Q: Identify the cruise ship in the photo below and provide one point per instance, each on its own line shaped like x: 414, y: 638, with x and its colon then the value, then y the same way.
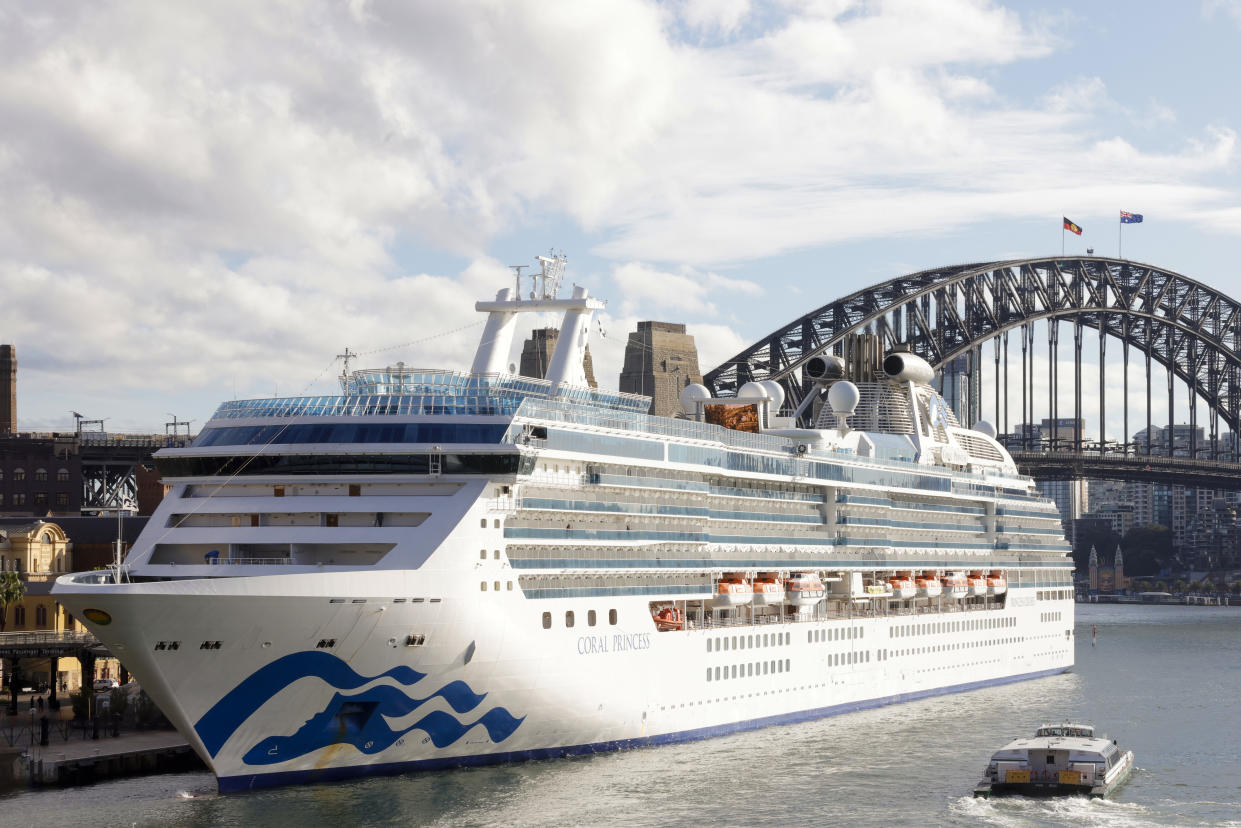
x: 438, y: 568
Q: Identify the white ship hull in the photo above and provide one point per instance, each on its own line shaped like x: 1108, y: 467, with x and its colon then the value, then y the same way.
x: 525, y: 692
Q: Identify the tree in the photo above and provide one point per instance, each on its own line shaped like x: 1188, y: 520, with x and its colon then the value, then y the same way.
x: 1148, y: 549
x: 1103, y: 539
x: 12, y: 591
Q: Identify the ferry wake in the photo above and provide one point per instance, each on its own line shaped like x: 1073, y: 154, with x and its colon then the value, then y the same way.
x: 439, y: 568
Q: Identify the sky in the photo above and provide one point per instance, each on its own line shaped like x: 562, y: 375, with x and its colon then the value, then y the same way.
x: 202, y: 202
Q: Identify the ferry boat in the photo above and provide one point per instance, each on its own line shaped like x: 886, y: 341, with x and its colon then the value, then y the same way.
x: 1060, y: 760
x: 436, y: 568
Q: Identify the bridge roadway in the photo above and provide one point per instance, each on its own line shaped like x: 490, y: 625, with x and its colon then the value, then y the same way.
x: 1143, y: 468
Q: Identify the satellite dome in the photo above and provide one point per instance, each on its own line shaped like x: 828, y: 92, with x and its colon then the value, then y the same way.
x: 692, y: 395
x: 752, y: 390
x: 985, y: 427
x: 843, y: 397
x: 776, y: 392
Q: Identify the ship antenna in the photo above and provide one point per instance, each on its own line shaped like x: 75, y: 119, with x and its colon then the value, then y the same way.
x: 345, y: 357
x: 553, y: 271
x: 517, y: 269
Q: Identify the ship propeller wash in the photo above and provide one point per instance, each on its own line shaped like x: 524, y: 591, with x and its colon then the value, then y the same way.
x: 438, y: 568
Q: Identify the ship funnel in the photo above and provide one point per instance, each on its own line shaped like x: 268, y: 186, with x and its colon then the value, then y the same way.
x: 908, y: 367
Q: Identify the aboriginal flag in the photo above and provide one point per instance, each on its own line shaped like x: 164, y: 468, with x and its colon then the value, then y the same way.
x: 1072, y: 228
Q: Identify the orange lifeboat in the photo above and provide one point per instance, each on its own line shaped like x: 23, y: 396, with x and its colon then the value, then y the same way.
x: 997, y: 584
x: 733, y: 591
x: 768, y: 591
x: 928, y: 585
x: 804, y: 589
x: 977, y: 583
x: 903, y: 586
x: 954, y: 585
x: 669, y: 618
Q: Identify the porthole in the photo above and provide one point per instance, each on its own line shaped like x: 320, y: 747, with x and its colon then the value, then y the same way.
x: 482, y: 586
x: 568, y: 618
x: 590, y: 618
x: 612, y: 617
x: 547, y: 620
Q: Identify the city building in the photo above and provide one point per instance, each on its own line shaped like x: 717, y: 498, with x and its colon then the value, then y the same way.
x: 38, y: 552
x: 955, y: 387
x: 660, y: 360
x: 8, y: 389
x: 536, y: 354
x: 1105, y: 579
x: 40, y: 475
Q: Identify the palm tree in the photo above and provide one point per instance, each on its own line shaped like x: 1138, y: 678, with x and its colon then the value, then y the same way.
x: 12, y: 591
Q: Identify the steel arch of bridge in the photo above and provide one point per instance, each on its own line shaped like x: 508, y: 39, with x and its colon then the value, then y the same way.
x: 1185, y: 326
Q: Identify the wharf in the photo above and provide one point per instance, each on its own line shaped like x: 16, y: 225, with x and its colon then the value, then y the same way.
x: 86, y: 761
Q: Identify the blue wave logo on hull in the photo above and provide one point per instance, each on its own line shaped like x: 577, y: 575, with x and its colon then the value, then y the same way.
x: 358, y: 720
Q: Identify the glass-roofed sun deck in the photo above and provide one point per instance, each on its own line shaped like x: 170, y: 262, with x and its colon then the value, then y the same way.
x: 379, y: 392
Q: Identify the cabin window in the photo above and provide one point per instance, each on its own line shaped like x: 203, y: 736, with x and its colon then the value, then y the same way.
x: 482, y: 586
x: 355, y: 489
x: 708, y: 645
x: 331, y: 520
x: 278, y: 491
x: 717, y: 673
x: 496, y: 586
x: 708, y: 674
x: 496, y: 554
x: 568, y: 618
x: 786, y: 664
x: 547, y: 620
x: 510, y: 586
x: 590, y: 618
x: 483, y: 523
x: 612, y: 617
x: 482, y: 554
x: 254, y: 520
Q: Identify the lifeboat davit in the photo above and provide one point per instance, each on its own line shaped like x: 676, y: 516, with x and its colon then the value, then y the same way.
x: 928, y: 585
x: 954, y: 585
x: 804, y: 589
x: 733, y: 591
x: 997, y: 584
x: 977, y: 583
x: 768, y: 591
x: 903, y: 587
x: 669, y: 618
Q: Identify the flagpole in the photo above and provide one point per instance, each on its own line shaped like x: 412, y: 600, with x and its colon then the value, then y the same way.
x: 1062, y: 238
x: 1120, y: 245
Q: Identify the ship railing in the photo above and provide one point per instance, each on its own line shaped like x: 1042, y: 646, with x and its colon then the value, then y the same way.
x: 250, y: 561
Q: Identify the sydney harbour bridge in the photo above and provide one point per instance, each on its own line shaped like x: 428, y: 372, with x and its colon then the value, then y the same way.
x: 1009, y: 329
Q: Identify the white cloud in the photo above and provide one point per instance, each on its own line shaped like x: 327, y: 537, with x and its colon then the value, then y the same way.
x: 198, y: 193
x: 685, y: 291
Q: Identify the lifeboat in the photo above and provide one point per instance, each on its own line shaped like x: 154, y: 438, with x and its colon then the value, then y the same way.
x: 733, y: 591
x: 669, y: 618
x: 954, y: 585
x: 903, y: 586
x: 804, y: 589
x: 928, y: 585
x: 768, y: 591
x: 977, y: 583
x: 997, y: 584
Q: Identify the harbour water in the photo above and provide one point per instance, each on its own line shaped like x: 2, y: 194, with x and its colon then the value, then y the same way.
x: 1163, y: 681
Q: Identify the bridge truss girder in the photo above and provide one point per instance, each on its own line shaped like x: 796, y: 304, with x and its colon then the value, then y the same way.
x: 1185, y: 326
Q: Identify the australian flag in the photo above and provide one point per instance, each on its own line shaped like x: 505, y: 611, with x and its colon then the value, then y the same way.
x: 1130, y: 218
